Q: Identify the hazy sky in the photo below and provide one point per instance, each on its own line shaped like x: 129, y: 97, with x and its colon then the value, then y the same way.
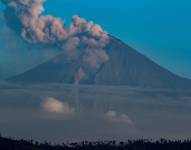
x: 158, y: 29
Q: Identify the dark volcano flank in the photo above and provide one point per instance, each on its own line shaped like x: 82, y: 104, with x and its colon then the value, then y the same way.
x: 126, y: 67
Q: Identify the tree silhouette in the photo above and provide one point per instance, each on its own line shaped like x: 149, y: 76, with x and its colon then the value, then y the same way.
x: 13, y: 144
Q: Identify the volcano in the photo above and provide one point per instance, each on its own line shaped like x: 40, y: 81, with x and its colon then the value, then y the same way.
x: 126, y: 67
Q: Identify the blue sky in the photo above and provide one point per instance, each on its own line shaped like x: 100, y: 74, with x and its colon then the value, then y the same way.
x: 160, y: 29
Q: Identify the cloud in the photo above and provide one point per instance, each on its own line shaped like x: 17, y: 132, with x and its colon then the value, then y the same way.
x: 55, y: 106
x: 113, y: 116
x: 83, y: 40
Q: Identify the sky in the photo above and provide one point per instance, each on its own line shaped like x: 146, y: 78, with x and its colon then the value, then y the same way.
x: 160, y: 30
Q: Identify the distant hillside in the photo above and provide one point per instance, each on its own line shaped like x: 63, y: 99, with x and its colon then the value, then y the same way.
x: 129, y: 67
x: 11, y: 144
x: 126, y: 66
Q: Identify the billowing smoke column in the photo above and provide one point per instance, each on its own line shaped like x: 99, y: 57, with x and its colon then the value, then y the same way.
x: 82, y: 41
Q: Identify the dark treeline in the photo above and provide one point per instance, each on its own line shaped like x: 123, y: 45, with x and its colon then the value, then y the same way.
x: 12, y: 144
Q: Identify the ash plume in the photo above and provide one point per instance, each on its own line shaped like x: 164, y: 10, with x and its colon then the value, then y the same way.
x: 82, y: 41
x: 79, y: 76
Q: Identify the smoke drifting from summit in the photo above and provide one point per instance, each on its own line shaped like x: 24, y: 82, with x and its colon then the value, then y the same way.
x: 82, y: 41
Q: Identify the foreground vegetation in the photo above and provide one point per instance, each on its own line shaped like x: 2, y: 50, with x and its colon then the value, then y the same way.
x: 12, y: 144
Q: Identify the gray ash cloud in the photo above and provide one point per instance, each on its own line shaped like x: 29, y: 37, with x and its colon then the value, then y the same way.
x: 82, y: 40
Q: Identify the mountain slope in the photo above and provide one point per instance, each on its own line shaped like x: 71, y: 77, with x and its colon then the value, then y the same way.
x: 125, y: 67
x: 128, y: 67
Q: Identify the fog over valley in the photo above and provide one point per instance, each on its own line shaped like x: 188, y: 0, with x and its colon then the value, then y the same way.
x: 59, y: 112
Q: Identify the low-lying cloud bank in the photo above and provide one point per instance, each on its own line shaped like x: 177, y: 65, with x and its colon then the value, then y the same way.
x: 55, y: 106
x: 118, y: 118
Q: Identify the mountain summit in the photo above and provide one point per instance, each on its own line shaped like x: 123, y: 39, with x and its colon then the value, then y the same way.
x: 126, y: 66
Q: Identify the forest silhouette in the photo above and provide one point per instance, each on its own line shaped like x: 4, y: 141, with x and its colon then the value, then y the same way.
x: 14, y: 144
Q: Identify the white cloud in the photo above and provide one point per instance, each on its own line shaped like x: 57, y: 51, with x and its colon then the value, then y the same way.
x: 53, y: 105
x: 111, y: 114
x: 119, y: 118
